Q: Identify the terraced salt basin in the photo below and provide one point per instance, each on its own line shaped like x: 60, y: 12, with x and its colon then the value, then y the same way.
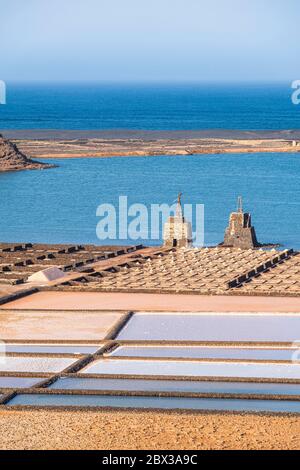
x: 19, y: 382
x: 35, y: 364
x: 52, y: 348
x: 193, y: 369
x: 212, y: 327
x: 56, y: 325
x: 206, y: 352
x: 173, y: 386
x: 211, y: 404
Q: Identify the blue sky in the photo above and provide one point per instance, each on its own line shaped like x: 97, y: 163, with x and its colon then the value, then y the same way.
x: 180, y: 40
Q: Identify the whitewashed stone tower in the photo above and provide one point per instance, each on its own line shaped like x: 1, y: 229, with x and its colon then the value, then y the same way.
x: 178, y: 232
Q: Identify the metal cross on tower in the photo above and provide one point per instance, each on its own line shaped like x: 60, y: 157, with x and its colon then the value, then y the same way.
x: 240, y: 204
x: 179, y: 212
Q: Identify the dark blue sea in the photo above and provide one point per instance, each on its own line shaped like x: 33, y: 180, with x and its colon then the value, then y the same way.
x: 149, y: 107
x: 59, y: 205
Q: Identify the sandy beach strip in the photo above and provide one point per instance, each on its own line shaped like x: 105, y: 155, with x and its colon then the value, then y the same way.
x: 96, y: 148
x: 119, y: 429
x: 48, y: 144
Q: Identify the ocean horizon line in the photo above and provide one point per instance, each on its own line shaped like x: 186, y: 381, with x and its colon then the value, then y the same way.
x: 149, y: 82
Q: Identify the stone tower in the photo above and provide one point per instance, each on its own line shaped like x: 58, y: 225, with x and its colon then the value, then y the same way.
x: 177, y: 232
x: 240, y: 233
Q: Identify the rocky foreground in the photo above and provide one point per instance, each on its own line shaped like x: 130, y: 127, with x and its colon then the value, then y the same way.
x: 12, y: 159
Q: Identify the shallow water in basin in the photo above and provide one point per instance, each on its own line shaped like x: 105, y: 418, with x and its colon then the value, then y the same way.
x: 157, y: 403
x: 203, y: 352
x: 69, y: 383
x: 19, y: 382
x: 258, y: 327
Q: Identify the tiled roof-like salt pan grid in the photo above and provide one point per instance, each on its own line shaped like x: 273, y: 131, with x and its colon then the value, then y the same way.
x: 205, y: 270
x: 283, y: 278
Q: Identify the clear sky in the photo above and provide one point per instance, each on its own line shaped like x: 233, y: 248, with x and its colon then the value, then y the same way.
x: 199, y: 40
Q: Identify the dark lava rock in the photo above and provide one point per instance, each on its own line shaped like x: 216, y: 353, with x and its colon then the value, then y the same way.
x: 11, y: 159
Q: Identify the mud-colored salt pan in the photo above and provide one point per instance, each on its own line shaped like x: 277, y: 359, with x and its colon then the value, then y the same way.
x: 56, y: 325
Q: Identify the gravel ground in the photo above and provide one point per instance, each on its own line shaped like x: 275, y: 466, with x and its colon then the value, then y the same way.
x: 112, y: 430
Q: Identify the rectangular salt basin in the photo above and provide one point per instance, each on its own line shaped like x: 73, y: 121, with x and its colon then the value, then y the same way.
x: 206, y: 352
x: 52, y: 348
x: 209, y: 404
x: 19, y: 382
x: 62, y: 325
x: 35, y: 364
x: 213, y: 327
x: 193, y: 369
x: 140, y: 385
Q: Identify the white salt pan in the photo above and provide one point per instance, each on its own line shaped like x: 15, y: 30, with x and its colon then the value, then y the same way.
x: 194, y: 369
x: 35, y: 364
x: 223, y: 327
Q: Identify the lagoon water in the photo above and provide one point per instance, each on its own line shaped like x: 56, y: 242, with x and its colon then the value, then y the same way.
x: 59, y: 205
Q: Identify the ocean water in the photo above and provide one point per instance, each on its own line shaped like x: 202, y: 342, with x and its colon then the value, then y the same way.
x: 59, y: 205
x: 149, y: 107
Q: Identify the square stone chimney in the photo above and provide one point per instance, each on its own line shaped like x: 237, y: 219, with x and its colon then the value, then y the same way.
x: 240, y: 233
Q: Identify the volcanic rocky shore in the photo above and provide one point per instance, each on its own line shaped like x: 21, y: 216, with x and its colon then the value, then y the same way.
x: 12, y: 159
